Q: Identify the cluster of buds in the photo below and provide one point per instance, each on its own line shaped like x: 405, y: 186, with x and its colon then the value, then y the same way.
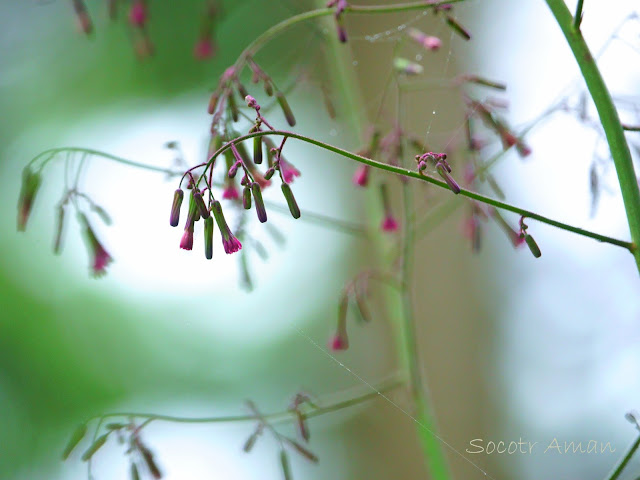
x: 140, y: 455
x: 446, y: 9
x: 31, y: 181
x: 284, y: 441
x: 138, y: 17
x: 490, y: 119
x: 439, y: 161
x: 223, y: 100
x: 340, y: 6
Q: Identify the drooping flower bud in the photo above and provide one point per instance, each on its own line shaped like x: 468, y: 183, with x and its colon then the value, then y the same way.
x: 233, y: 107
x: 213, y: 102
x: 456, y: 27
x: 84, y: 21
x: 57, y: 242
x: 286, y: 109
x: 138, y: 13
x: 269, y: 173
x: 257, y: 150
x: 152, y: 466
x: 30, y: 185
x: 361, y: 177
x: 242, y: 91
x: 101, y: 259
x: 208, y: 238
x: 174, y: 218
x: 251, y: 441
x: 135, y: 475
x: 289, y: 172
x: 427, y: 41
x: 284, y: 463
x: 246, y: 198
x: 515, y: 237
x: 443, y: 172
x: 533, y: 246
x: 230, y: 243
x: 291, y: 200
x: 340, y: 340
x: 94, y: 447
x: 257, y: 197
x: 389, y: 222
x: 202, y: 208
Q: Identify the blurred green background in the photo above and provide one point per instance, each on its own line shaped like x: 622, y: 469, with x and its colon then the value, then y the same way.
x: 510, y: 348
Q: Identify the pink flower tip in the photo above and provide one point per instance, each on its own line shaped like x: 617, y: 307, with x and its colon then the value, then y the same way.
x: 231, y: 244
x: 338, y: 343
x: 187, y: 240
x: 361, y: 177
x: 288, y: 171
x: 203, y: 49
x: 389, y: 224
x: 138, y: 14
x: 230, y: 193
x: 431, y: 43
x: 101, y: 261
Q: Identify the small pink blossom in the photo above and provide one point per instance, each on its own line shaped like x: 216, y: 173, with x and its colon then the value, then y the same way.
x: 138, y: 14
x: 338, y: 342
x: 187, y: 239
x: 288, y: 171
x: 361, y: 177
x: 431, y: 43
x: 260, y: 180
x: 389, y: 223
x: 230, y: 192
x: 203, y: 48
x: 101, y: 258
x: 230, y: 243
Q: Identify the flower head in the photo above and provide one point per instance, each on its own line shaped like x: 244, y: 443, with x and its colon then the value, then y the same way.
x: 361, y: 177
x: 389, y: 223
x: 289, y: 172
x: 138, y: 13
x: 230, y: 191
x: 186, y: 243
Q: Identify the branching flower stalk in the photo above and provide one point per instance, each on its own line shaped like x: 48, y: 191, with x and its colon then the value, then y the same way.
x: 240, y: 164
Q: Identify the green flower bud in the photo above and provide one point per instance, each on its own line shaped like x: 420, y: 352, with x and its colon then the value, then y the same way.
x: 533, y: 246
x: 257, y: 196
x: 95, y: 446
x: 208, y: 238
x: 246, y: 198
x: 174, y: 219
x: 291, y: 200
x: 286, y: 109
x: 76, y: 438
x: 257, y: 150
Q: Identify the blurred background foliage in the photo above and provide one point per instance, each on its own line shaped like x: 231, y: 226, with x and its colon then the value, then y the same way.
x: 511, y: 348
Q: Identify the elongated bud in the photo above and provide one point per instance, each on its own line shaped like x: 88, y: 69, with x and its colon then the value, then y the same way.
x: 202, y: 208
x: 284, y: 463
x: 484, y: 82
x: 30, y: 184
x: 302, y: 450
x: 233, y: 107
x: 291, y: 200
x: 193, y: 215
x: 241, y: 90
x: 302, y: 427
x: 251, y: 441
x: 230, y: 243
x: 269, y: 173
x: 268, y: 87
x: 286, y: 109
x: 135, y: 475
x: 257, y: 150
x: 57, y: 242
x: 246, y: 198
x: 533, y: 246
x: 84, y: 21
x: 208, y: 238
x: 257, y: 196
x: 456, y: 27
x: 76, y: 437
x: 150, y: 461
x: 213, y: 102
x: 178, y: 196
x: 340, y: 340
x: 95, y: 446
x: 442, y: 170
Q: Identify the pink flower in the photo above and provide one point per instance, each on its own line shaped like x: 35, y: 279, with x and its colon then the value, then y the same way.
x: 389, y: 223
x: 187, y: 238
x: 288, y: 171
x: 339, y: 342
x: 230, y: 243
x: 230, y: 192
x: 30, y: 185
x: 361, y: 177
x: 431, y: 43
x: 138, y: 14
x: 203, y: 49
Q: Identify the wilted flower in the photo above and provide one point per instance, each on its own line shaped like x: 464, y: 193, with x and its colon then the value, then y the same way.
x: 230, y: 243
x: 289, y: 172
x: 361, y: 177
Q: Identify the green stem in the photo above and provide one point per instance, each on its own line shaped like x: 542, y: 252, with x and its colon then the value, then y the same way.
x: 609, y: 119
x: 274, y: 418
x: 625, y: 460
x: 434, y: 455
x: 413, y: 174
